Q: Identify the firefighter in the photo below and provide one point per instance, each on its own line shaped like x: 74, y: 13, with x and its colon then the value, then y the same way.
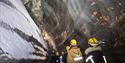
x: 94, y: 53
x: 64, y: 58
x: 74, y: 53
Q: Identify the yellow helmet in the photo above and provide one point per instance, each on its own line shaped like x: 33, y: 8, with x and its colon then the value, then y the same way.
x: 93, y: 41
x: 67, y: 47
x: 73, y: 42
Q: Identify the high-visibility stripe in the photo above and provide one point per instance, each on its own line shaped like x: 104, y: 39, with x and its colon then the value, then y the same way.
x: 90, y: 58
x: 79, y: 58
x: 105, y: 59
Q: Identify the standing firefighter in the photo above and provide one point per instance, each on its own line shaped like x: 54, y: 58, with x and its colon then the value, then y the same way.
x: 74, y: 53
x: 64, y: 58
x: 94, y: 52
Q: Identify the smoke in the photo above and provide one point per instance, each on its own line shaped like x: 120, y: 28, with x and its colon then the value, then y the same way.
x: 78, y: 10
x: 89, y: 14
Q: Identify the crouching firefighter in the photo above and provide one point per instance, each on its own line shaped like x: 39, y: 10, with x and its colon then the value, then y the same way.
x: 94, y: 53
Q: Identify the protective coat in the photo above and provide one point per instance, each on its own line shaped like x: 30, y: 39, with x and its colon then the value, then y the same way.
x: 72, y: 52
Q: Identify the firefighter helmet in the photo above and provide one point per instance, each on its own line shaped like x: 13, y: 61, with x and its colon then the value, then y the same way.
x: 73, y: 42
x: 67, y: 47
x: 93, y: 41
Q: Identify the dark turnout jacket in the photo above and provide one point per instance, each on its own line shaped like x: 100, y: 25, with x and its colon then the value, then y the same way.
x: 94, y: 55
x: 64, y: 58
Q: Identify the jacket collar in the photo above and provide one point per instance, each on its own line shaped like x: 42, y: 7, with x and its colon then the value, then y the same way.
x: 92, y: 49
